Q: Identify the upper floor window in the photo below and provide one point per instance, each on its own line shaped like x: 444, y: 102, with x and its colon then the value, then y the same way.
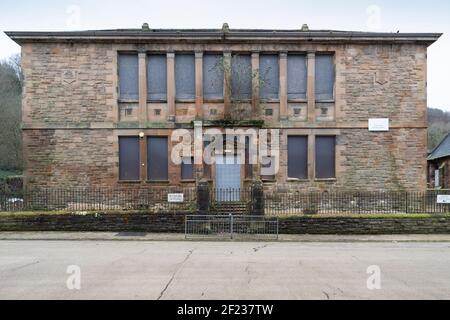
x: 128, y: 76
x: 325, y: 157
x: 129, y: 168
x: 298, y: 157
x: 269, y: 76
x: 325, y: 77
x: 297, y: 76
x: 241, y: 77
x: 213, y: 76
x: 157, y: 77
x: 185, y: 76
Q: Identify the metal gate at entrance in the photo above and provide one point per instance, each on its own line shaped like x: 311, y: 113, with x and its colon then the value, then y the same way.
x: 231, y: 227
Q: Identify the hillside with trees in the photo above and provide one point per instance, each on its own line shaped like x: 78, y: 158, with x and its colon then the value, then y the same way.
x: 10, y: 115
x: 439, y: 126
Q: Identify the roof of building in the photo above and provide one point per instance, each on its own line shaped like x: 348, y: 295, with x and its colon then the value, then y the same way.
x: 145, y: 34
x: 442, y: 150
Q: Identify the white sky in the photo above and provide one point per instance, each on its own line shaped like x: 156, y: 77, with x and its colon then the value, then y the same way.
x: 356, y: 15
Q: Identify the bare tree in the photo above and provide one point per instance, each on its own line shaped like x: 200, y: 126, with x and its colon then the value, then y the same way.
x: 10, y: 113
x: 239, y: 81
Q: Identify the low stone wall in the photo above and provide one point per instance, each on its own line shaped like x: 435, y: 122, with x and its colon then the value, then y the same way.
x: 371, y: 226
x: 100, y: 222
x: 175, y: 223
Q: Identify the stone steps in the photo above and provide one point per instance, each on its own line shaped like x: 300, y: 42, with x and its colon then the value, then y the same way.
x: 226, y: 208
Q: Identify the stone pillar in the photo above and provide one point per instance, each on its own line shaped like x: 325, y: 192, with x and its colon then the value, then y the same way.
x: 227, y: 82
x: 171, y: 112
x: 143, y: 116
x: 258, y: 206
x: 283, y: 87
x: 255, y: 83
x: 203, y: 204
x: 311, y: 90
x: 199, y: 84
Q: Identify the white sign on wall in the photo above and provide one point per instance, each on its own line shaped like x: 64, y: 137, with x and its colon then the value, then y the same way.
x: 443, y: 199
x: 175, y: 197
x: 378, y: 125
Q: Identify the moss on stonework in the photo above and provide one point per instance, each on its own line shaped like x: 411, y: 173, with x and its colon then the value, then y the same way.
x: 228, y: 123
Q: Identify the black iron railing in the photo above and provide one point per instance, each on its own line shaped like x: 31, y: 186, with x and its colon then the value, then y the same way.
x: 280, y: 203
x: 335, y: 203
x: 152, y: 200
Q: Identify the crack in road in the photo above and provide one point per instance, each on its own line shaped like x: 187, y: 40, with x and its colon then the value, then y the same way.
x: 259, y: 248
x: 24, y: 266
x: 180, y: 266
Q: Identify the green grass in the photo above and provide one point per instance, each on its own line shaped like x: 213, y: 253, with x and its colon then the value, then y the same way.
x: 9, y: 173
x: 285, y: 217
x: 371, y: 216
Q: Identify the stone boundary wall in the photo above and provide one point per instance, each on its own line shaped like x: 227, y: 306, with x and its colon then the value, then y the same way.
x: 175, y: 223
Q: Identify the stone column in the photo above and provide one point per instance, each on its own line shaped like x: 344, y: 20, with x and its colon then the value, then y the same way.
x: 203, y: 204
x: 171, y: 112
x: 311, y: 95
x: 255, y: 83
x: 227, y: 82
x: 199, y: 84
x: 283, y: 87
x: 143, y: 116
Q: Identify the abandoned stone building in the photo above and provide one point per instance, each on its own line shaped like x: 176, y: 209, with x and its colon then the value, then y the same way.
x: 99, y: 107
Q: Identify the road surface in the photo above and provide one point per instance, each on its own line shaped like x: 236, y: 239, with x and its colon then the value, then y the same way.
x: 228, y: 270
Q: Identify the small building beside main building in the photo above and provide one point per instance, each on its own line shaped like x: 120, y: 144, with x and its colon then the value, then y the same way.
x: 99, y: 107
x: 439, y: 165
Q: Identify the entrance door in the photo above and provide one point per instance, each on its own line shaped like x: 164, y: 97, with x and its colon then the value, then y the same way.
x: 228, y: 178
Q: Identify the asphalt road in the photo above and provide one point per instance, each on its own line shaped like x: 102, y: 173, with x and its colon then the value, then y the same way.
x: 203, y: 270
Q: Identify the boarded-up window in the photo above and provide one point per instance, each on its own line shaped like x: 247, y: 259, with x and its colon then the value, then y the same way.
x: 269, y: 73
x: 128, y: 76
x: 157, y: 159
x: 267, y: 169
x: 213, y: 76
x: 187, y: 169
x: 298, y: 157
x: 241, y: 77
x: 248, y: 165
x: 129, y: 159
x: 297, y: 77
x: 157, y: 77
x: 185, y: 76
x: 325, y: 77
x: 325, y: 157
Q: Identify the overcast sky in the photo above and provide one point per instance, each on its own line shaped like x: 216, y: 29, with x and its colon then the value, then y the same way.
x: 358, y: 15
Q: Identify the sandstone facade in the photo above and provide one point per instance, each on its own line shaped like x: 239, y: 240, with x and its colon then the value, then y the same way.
x: 73, y: 117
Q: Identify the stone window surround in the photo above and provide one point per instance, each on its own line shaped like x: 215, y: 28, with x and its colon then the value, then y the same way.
x: 143, y: 153
x: 175, y: 177
x: 199, y: 100
x: 312, y: 134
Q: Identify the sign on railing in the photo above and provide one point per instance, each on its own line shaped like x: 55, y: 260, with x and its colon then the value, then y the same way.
x: 443, y: 199
x: 175, y: 197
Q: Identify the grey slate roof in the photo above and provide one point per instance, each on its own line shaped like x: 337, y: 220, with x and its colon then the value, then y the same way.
x: 442, y: 150
x: 220, y: 34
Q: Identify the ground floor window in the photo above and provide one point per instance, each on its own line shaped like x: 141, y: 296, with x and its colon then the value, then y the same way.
x: 325, y: 157
x: 129, y: 159
x: 187, y: 169
x: 298, y: 157
x: 157, y: 159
